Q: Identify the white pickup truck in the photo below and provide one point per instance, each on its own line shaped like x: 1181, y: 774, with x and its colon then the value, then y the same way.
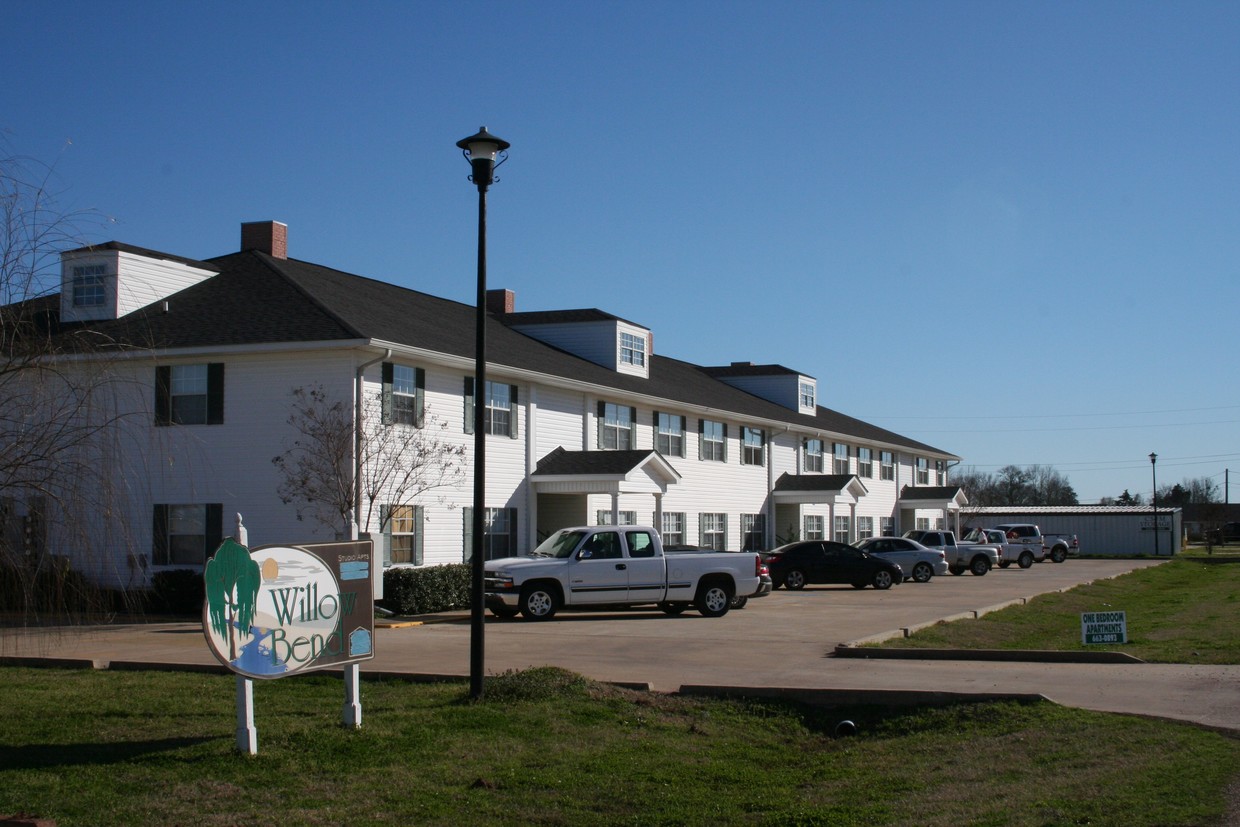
x: 1022, y: 554
x: 976, y: 559
x: 618, y: 566
x: 1055, y: 546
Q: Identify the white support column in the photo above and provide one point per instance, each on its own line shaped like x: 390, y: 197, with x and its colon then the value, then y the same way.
x: 352, y: 712
x: 615, y: 508
x: 658, y: 513
x: 247, y: 733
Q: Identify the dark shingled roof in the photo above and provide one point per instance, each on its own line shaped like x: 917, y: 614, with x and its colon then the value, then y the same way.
x: 750, y: 369
x: 929, y: 492
x: 586, y: 314
x: 813, y: 482
x: 257, y: 299
x: 573, y: 463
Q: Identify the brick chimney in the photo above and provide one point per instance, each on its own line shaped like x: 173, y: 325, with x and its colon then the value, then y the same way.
x: 270, y: 237
x: 501, y: 301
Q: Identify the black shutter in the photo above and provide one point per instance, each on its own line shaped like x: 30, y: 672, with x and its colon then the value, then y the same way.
x: 513, y: 538
x: 159, y: 536
x: 632, y: 427
x: 214, y: 529
x: 725, y: 441
x: 701, y: 439
x: 512, y: 411
x: 469, y: 408
x: 215, y: 395
x: 602, y: 419
x: 419, y: 397
x: 418, y: 514
x: 468, y: 513
x: 163, y: 395
x: 388, y: 371
x: 385, y: 519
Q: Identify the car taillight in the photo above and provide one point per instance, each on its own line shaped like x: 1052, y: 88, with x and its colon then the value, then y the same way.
x: 759, y: 568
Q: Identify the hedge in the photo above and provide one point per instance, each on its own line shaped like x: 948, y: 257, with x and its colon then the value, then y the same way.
x: 410, y: 591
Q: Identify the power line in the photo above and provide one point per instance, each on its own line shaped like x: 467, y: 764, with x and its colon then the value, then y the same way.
x: 1053, y: 416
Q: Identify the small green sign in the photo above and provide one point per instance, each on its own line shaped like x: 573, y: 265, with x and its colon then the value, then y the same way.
x: 1104, y: 627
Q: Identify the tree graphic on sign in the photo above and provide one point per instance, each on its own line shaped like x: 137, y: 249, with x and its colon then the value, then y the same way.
x: 232, y: 579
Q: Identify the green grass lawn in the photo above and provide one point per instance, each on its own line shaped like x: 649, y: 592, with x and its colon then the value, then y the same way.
x: 1184, y: 611
x: 549, y: 747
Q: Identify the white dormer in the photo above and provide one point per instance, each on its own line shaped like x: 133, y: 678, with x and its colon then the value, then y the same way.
x: 600, y: 337
x: 774, y: 383
x: 110, y: 280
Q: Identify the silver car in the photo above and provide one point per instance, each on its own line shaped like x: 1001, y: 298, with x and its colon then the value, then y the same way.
x: 916, y: 562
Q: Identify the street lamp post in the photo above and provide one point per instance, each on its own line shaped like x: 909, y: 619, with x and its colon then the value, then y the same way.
x: 1154, y: 475
x: 482, y: 151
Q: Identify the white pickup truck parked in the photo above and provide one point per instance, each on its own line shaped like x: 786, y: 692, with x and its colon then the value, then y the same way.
x: 976, y: 559
x: 1022, y: 554
x: 1055, y: 546
x: 618, y: 566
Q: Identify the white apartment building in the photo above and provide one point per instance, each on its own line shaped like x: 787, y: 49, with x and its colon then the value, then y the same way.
x: 586, y: 423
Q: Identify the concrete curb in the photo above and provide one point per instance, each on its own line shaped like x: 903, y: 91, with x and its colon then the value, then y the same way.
x: 849, y: 650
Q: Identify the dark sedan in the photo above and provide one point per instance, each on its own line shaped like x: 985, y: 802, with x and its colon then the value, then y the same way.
x: 797, y: 565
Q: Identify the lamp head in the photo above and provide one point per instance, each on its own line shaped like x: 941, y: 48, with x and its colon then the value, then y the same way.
x: 1153, y: 458
x: 484, y: 152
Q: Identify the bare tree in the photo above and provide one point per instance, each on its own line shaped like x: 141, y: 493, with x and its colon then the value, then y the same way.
x: 1014, y: 485
x: 60, y: 404
x: 399, y: 463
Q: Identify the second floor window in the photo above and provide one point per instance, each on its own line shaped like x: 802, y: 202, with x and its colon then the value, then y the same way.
x: 499, y: 416
x: 617, y: 427
x: 713, y: 441
x: 940, y: 472
x: 865, y: 463
x: 887, y: 465
x: 189, y: 394
x: 753, y: 445
x: 839, y: 464
x: 404, y: 389
x: 813, y: 455
x: 669, y: 434
x: 923, y: 471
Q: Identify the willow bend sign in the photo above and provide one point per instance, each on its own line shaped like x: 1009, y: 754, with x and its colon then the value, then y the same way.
x: 278, y: 610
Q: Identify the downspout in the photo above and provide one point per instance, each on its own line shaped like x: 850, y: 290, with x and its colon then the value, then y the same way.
x: 357, y: 440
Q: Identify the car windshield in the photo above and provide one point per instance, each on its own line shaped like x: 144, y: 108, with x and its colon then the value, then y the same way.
x: 560, y: 544
x: 975, y: 536
x: 860, y: 543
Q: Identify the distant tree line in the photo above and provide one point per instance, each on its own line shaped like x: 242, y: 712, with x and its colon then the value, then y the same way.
x: 1016, y: 485
x: 1186, y: 492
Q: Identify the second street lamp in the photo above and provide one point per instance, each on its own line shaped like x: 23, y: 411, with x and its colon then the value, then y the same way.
x: 484, y: 152
x: 1154, y: 498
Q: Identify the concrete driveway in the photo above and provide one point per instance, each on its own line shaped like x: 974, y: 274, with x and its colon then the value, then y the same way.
x: 783, y: 642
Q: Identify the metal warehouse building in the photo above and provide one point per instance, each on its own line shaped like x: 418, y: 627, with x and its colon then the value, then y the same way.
x: 1104, y: 530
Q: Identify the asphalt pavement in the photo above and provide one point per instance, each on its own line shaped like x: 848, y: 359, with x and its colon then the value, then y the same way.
x: 781, y: 644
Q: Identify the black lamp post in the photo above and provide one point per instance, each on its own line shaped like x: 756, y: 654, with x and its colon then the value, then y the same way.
x: 1154, y: 475
x: 482, y: 151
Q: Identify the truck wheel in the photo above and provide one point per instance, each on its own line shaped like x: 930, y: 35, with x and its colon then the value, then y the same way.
x: 979, y: 565
x: 795, y: 579
x: 1059, y: 554
x: 1026, y: 559
x: 539, y: 602
x: 739, y: 602
x: 922, y: 572
x: 883, y: 579
x: 713, y: 599
x: 504, y: 613
x: 956, y: 570
x: 672, y: 609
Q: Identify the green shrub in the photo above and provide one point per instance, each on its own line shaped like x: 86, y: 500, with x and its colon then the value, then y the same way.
x: 179, y: 592
x: 46, y: 587
x: 408, y: 591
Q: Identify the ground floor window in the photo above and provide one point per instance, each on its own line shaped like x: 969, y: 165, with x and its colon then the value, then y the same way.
x: 403, y: 532
x: 841, y: 530
x: 714, y: 531
x: 887, y: 525
x: 922, y: 524
x: 753, y: 532
x: 814, y: 527
x: 673, y: 529
x: 186, y: 535
x: 626, y: 517
x: 865, y: 527
x: 499, y: 533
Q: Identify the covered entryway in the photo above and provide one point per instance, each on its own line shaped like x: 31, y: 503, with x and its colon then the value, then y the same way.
x: 828, y: 496
x: 947, y: 500
x: 565, y: 480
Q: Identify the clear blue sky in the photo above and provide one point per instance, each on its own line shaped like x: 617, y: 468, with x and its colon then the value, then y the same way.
x: 1008, y: 229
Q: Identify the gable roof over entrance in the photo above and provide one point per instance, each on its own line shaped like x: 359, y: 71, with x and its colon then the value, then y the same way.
x: 816, y: 488
x: 603, y: 472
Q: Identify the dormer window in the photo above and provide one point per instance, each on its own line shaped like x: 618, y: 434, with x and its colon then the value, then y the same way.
x: 88, y: 286
x: 632, y: 350
x: 807, y: 395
